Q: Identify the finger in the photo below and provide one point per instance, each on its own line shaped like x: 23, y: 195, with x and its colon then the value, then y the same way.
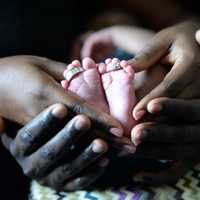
x: 176, y: 80
x: 151, y: 53
x: 123, y: 144
x: 175, y: 109
x: 77, y: 105
x: 60, y: 144
x: 168, y: 176
x: 88, y: 178
x: 36, y: 131
x: 52, y: 67
x: 97, y: 46
x: 164, y: 151
x: 91, y: 154
x: 165, y: 133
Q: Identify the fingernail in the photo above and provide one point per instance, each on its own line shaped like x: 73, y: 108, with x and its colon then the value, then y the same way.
x: 98, y: 147
x: 104, y: 162
x: 139, y: 114
x: 117, y: 132
x: 82, y: 123
x: 60, y: 111
x: 140, y: 136
x: 137, y: 136
x: 154, y: 108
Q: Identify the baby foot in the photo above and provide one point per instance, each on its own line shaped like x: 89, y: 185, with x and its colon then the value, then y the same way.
x: 119, y: 90
x: 87, y: 83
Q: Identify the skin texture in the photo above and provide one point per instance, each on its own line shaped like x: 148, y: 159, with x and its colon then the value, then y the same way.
x: 177, y: 47
x: 120, y: 93
x: 33, y: 84
x: 181, y: 138
x: 88, y: 84
x: 178, y: 141
x: 37, y: 151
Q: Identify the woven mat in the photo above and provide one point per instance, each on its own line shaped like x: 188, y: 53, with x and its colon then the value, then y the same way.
x: 187, y: 188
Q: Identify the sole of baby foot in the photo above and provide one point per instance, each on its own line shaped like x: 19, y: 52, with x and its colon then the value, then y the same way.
x: 87, y: 83
x: 120, y: 95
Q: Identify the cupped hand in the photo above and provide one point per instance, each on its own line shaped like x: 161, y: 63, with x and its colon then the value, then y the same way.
x: 172, y: 134
x: 176, y: 47
x: 48, y: 150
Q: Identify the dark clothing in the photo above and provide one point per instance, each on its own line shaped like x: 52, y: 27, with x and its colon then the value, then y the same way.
x: 42, y: 27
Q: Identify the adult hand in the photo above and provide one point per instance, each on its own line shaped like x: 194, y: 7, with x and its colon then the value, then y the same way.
x: 177, y: 47
x: 179, y: 122
x: 29, y: 84
x: 101, y: 44
x: 173, y: 136
x: 47, y: 148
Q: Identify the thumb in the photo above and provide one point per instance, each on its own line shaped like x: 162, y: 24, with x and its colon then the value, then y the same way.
x: 155, y: 49
x: 54, y: 68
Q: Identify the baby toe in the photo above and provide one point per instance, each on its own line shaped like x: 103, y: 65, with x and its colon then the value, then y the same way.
x: 123, y: 63
x: 102, y: 68
x: 70, y: 66
x: 115, y: 60
x: 128, y: 69
x: 108, y: 60
x: 88, y: 63
x: 76, y: 63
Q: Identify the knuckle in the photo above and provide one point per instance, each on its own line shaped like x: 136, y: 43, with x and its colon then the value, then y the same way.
x: 67, y: 169
x: 170, y: 87
x: 48, y: 153
x: 26, y: 137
